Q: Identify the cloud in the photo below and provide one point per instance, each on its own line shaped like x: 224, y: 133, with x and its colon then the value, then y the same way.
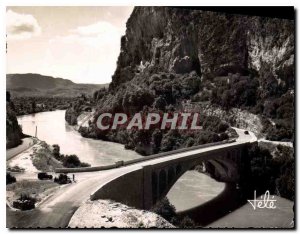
x: 86, y: 52
x: 100, y: 27
x: 21, y: 26
x: 100, y: 35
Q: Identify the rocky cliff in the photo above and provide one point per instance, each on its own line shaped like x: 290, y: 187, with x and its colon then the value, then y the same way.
x: 176, y: 53
x: 177, y: 40
x: 173, y: 56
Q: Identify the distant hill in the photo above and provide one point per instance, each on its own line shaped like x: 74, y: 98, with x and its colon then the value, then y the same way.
x: 38, y: 85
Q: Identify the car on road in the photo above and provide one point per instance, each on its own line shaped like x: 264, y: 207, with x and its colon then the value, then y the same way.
x: 44, y: 176
x: 119, y: 163
x: 246, y: 132
x: 62, y: 179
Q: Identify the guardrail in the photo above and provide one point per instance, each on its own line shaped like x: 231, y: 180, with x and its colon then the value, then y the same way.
x: 133, y: 161
x: 84, y: 169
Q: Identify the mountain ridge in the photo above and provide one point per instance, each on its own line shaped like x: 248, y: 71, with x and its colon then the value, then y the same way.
x: 32, y: 84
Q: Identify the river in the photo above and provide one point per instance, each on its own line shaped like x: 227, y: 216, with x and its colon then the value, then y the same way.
x: 191, y: 190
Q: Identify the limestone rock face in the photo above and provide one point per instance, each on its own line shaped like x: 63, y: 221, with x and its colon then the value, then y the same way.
x: 212, y: 44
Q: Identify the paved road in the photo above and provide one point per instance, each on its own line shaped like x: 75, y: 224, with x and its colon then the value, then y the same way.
x: 288, y: 144
x: 57, y: 210
x: 84, y: 121
x: 26, y: 144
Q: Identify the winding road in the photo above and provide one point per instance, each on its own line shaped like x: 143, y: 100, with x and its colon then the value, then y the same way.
x: 26, y: 144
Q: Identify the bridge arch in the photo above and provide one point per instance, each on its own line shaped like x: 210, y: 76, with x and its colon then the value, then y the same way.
x: 224, y: 169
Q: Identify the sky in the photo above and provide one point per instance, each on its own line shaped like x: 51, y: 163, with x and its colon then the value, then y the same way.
x: 77, y: 43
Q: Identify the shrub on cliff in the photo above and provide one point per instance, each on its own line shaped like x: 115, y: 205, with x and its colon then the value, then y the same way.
x: 214, y: 124
x: 187, y: 222
x: 135, y: 100
x: 275, y: 174
x: 286, y: 181
x: 285, y: 161
x: 156, y: 140
x: 281, y: 131
x: 205, y: 137
x: 262, y: 170
x: 171, y: 141
x: 237, y: 92
x: 166, y: 210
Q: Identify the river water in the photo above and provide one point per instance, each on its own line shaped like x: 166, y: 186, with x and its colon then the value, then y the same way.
x: 191, y: 190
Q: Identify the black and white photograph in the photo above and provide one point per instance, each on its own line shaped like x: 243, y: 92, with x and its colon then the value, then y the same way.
x: 150, y: 117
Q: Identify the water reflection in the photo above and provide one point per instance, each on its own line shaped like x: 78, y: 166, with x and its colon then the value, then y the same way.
x: 192, y: 189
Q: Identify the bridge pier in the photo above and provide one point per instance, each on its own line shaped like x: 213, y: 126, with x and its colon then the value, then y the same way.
x: 150, y: 187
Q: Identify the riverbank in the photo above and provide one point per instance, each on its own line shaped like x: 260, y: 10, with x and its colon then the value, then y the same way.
x: 24, y: 168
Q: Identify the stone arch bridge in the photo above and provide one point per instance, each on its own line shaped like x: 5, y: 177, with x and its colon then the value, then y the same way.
x: 143, y: 184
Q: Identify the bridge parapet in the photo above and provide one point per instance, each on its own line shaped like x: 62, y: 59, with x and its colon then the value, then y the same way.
x: 138, y: 160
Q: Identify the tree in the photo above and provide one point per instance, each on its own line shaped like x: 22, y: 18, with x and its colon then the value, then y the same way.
x: 286, y: 181
x: 56, y: 151
x: 171, y: 141
x: 71, y: 161
x: 222, y: 127
x: 33, y: 106
x: 160, y: 103
x: 156, y: 140
x: 262, y: 170
x: 135, y: 101
x: 226, y: 99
